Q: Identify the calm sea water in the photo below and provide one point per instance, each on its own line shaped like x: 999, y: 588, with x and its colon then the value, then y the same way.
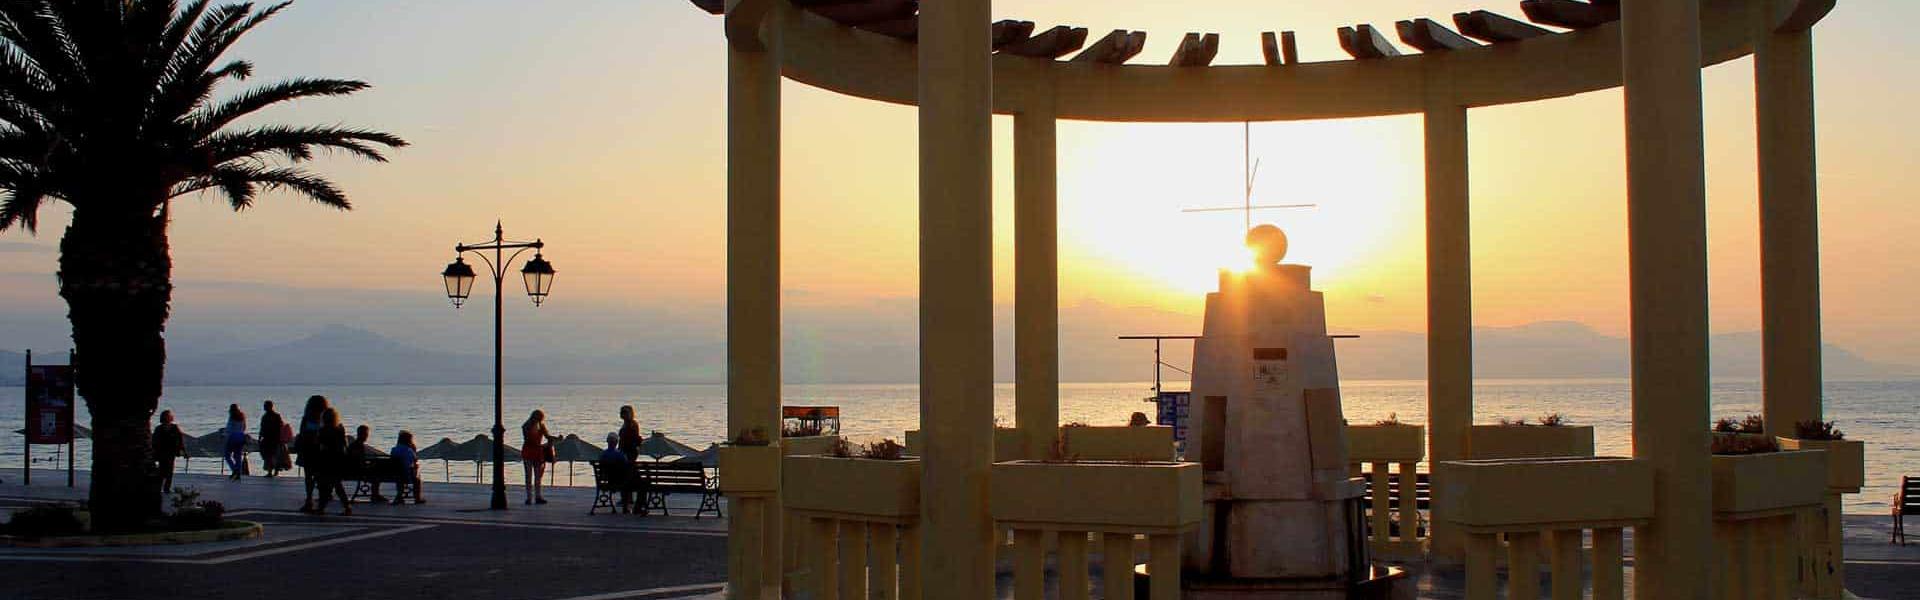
x: 1884, y: 413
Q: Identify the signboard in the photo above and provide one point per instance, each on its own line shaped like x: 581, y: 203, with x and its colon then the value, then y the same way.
x: 1173, y: 409
x: 49, y: 404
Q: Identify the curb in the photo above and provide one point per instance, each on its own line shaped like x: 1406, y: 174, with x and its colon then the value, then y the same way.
x: 236, y: 530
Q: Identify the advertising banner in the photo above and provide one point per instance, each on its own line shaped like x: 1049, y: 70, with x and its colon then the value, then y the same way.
x: 49, y: 404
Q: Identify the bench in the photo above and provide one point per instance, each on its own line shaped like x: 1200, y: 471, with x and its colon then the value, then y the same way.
x: 1906, y: 501
x: 610, y: 478
x: 657, y: 479
x: 375, y: 470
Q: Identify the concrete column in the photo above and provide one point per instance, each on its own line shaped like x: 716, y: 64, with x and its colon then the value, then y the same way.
x: 1667, y: 267
x: 753, y: 288
x: 1789, y: 227
x: 956, y: 297
x: 1449, y: 299
x: 1036, y: 288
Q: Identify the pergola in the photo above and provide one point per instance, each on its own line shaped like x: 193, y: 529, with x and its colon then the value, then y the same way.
x: 959, y: 67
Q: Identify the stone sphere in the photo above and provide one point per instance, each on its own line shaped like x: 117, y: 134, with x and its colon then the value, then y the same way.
x: 1269, y: 244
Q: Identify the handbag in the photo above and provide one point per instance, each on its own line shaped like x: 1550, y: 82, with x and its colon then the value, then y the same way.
x: 547, y: 452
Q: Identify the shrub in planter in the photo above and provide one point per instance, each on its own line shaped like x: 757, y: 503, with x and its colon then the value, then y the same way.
x: 1739, y: 444
x: 46, y: 520
x: 204, y: 514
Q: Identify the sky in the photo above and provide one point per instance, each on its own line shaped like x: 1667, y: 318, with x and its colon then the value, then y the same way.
x: 598, y: 126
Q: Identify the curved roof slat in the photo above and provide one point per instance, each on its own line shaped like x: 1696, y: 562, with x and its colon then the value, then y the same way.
x: 1496, y: 28
x: 907, y: 29
x: 1050, y: 44
x: 713, y: 7
x: 1571, y: 14
x: 1010, y: 31
x: 1196, y: 50
x: 1279, y: 51
x: 1365, y: 42
x: 1115, y: 48
x: 1428, y: 35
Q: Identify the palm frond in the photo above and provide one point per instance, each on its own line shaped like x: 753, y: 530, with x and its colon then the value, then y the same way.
x: 20, y: 198
x: 239, y: 181
x: 297, y: 143
x: 211, y: 119
x: 39, y: 30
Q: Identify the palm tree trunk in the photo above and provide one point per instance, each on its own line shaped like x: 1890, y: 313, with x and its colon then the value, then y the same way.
x: 116, y: 276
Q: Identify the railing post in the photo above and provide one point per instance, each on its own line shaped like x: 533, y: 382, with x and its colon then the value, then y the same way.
x: 1523, y: 565
x: 1482, y: 580
x: 1609, y: 582
x: 853, y: 560
x: 1073, y: 565
x: 883, y: 572
x: 1029, y: 565
x: 1163, y: 566
x: 1564, y: 563
x: 910, y: 562
x: 1117, y: 565
x: 1409, y: 505
x: 1381, y: 533
x: 825, y: 559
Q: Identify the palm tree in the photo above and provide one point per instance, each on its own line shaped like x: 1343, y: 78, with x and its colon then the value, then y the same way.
x: 109, y: 106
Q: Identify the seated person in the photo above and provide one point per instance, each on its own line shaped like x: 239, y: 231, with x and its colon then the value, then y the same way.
x: 613, y: 458
x: 357, y: 456
x: 407, y: 458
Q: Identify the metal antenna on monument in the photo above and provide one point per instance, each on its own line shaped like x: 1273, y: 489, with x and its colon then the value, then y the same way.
x: 1250, y: 169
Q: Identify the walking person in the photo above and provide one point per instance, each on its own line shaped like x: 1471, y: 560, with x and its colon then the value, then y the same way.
x: 629, y: 433
x: 306, y: 442
x: 168, y: 443
x: 271, y: 445
x: 535, y: 454
x: 329, y: 463
x: 236, y: 449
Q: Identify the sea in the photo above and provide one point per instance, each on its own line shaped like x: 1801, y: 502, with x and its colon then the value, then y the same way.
x: 1885, y: 414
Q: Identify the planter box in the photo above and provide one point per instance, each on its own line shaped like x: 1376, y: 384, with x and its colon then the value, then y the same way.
x: 1006, y: 444
x: 1386, y: 443
x: 856, y: 487
x: 1772, y: 481
x: 814, y: 444
x: 1119, y: 443
x: 1529, y: 441
x: 1846, y: 461
x: 1097, y: 496
x: 1542, y: 493
x: 749, y: 469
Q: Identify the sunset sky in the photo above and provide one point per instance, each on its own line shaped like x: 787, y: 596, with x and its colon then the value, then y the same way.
x: 599, y: 126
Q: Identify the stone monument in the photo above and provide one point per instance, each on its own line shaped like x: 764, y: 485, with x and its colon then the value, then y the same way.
x: 1282, y: 517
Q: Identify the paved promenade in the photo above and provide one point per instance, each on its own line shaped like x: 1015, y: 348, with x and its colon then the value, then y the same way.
x: 452, y: 547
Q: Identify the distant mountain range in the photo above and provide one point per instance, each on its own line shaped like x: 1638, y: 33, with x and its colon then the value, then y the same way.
x: 338, y: 355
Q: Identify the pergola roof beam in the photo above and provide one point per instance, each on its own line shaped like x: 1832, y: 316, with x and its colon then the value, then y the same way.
x: 1010, y: 31
x: 1115, y: 48
x: 1496, y: 28
x: 907, y: 29
x: 868, y: 11
x: 1365, y: 42
x: 1196, y: 50
x: 1050, y: 44
x: 1571, y: 14
x: 713, y: 7
x: 1429, y: 35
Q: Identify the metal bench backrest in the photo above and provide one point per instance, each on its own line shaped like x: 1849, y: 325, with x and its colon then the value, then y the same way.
x: 673, y: 474
x: 1909, y: 495
x: 605, y: 475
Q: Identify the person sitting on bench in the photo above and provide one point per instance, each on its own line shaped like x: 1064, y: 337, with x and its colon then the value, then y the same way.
x: 613, y: 456
x: 408, y: 459
x: 357, y: 456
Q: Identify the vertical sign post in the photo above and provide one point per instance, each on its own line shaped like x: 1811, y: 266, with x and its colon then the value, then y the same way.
x: 49, y: 411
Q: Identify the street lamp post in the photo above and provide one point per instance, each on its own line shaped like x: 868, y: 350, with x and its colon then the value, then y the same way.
x: 459, y: 277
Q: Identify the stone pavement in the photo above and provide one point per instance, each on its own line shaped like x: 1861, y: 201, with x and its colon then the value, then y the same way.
x: 453, y: 547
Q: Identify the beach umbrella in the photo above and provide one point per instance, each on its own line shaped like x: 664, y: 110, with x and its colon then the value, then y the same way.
x: 479, y: 450
x: 214, y: 445
x: 441, y: 451
x: 709, y: 458
x: 658, y: 445
x: 571, y: 449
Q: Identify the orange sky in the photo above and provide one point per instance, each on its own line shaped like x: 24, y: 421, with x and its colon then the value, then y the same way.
x: 599, y: 126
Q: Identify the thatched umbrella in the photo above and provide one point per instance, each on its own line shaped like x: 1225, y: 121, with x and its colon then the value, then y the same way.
x: 709, y: 458
x: 441, y: 451
x: 571, y: 449
x: 479, y: 450
x: 658, y: 445
x: 215, y: 445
